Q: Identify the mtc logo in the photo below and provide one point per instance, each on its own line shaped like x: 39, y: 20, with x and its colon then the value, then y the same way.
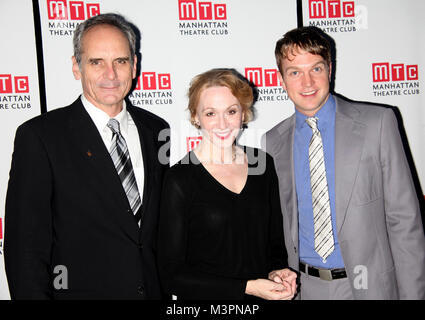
x: 153, y: 81
x: 319, y: 9
x: 384, y: 72
x: 192, y: 142
x: 73, y: 10
x: 9, y: 84
x: 263, y: 78
x: 188, y: 10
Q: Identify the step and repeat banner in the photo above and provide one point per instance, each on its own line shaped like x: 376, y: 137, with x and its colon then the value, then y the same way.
x: 179, y: 39
x: 378, y: 60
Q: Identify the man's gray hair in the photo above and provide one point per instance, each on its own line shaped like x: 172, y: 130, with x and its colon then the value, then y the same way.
x: 111, y: 19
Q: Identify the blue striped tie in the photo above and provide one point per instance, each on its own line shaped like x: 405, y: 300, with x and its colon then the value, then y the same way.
x: 122, y: 162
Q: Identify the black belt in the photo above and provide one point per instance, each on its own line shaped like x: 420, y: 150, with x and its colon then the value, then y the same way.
x: 324, y: 274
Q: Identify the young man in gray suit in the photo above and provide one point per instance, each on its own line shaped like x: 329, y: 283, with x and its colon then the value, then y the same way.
x: 351, y: 216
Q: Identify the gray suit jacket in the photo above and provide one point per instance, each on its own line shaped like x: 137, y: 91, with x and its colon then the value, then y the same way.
x: 378, y: 219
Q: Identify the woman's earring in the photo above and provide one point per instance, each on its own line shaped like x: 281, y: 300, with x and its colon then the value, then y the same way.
x: 197, y: 125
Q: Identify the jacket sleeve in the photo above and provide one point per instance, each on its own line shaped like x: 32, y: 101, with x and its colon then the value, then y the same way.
x: 178, y: 277
x: 404, y: 225
x: 28, y: 218
x: 278, y: 253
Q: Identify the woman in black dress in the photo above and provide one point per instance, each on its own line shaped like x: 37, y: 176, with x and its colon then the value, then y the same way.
x: 221, y: 232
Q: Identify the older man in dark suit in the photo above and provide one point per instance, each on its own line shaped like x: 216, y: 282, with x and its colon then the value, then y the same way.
x: 83, y: 195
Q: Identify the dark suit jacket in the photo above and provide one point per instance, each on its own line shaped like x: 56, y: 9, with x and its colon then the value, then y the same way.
x: 65, y: 206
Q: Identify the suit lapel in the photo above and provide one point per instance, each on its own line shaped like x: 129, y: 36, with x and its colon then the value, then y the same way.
x: 96, y: 158
x: 349, y: 140
x: 283, y: 151
x: 149, y: 155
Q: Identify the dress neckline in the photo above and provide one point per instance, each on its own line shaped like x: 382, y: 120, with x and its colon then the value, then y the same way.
x: 222, y: 186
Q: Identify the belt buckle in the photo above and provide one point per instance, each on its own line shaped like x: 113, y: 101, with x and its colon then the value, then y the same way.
x: 325, y: 274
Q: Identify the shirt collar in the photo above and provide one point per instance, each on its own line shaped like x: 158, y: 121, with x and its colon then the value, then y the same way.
x: 101, y: 118
x: 325, y: 115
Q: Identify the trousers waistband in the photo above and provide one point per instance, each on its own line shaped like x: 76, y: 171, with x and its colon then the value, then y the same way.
x: 324, y: 274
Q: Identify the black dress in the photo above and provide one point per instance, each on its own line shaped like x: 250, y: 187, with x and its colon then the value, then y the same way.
x: 212, y: 240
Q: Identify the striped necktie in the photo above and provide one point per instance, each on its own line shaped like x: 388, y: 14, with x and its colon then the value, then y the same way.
x: 323, y: 236
x: 122, y: 162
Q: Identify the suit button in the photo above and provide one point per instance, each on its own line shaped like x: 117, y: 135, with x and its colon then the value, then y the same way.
x: 140, y: 290
x: 295, y: 249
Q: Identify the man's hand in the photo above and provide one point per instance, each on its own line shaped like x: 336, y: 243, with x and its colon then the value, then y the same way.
x: 285, y: 276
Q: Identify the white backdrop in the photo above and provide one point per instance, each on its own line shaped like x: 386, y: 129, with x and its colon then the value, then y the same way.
x: 380, y: 58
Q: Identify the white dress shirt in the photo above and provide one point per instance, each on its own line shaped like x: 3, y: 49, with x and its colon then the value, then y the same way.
x: 129, y: 132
